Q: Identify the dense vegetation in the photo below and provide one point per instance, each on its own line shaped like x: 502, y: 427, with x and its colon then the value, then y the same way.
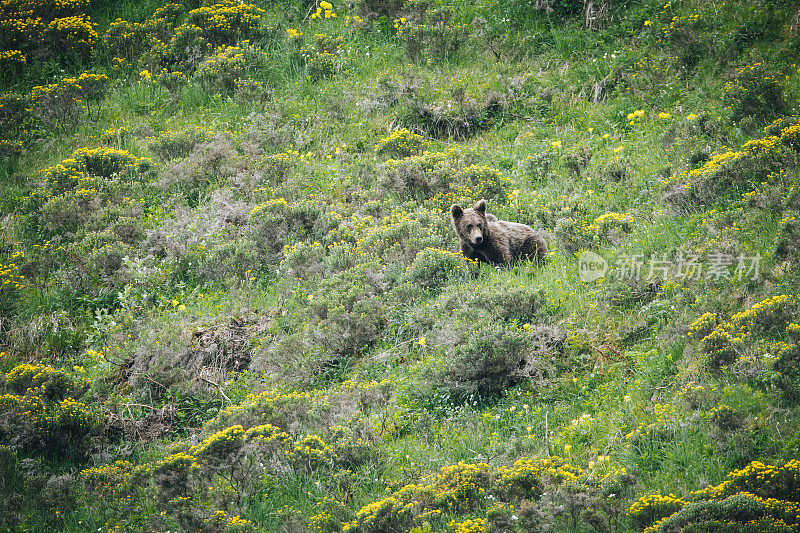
x: 231, y: 298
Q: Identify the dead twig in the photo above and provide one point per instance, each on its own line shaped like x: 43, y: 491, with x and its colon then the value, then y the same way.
x: 218, y: 387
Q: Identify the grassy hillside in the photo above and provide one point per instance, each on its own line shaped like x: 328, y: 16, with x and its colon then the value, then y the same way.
x: 231, y: 297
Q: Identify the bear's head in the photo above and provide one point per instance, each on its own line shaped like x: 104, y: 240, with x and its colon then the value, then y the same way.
x: 471, y: 223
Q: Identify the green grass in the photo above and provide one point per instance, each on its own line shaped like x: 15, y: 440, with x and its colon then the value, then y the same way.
x: 207, y: 314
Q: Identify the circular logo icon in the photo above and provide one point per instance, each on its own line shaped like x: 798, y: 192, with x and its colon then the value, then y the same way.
x: 591, y: 266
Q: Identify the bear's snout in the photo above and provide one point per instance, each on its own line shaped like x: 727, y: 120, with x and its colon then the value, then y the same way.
x: 477, y: 237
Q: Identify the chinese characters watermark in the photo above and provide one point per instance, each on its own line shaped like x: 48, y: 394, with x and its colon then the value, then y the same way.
x: 687, y: 266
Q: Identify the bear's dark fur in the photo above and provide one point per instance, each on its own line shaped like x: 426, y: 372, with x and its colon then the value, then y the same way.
x: 497, y: 242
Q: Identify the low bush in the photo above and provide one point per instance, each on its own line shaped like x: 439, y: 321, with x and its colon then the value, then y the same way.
x: 433, y: 37
x: 433, y: 268
x: 401, y: 143
x: 43, y: 416
x: 222, y: 73
x: 238, y: 258
x: 489, y: 361
x: 40, y: 380
x: 176, y: 144
x: 727, y: 175
x: 303, y: 260
x: 71, y: 36
x: 756, y: 95
x: 455, y: 121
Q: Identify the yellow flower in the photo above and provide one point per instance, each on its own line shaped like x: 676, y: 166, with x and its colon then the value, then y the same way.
x: 648, y: 23
x: 326, y: 5
x: 556, y: 145
x: 691, y: 117
x: 422, y: 341
x: 664, y: 115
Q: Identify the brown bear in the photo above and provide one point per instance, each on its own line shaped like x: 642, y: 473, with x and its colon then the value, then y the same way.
x: 497, y: 242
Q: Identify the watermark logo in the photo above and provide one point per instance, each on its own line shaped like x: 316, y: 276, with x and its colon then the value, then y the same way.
x: 591, y: 266
x: 716, y: 266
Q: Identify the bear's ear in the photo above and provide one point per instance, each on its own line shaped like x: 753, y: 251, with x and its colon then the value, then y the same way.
x: 456, y: 211
x: 480, y: 207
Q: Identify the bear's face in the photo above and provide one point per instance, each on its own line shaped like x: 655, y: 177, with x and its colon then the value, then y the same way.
x: 471, y: 223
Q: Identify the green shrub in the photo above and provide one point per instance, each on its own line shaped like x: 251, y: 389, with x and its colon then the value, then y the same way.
x: 754, y: 94
x: 788, y: 237
x: 68, y: 427
x: 653, y: 507
x: 276, y: 167
x: 433, y: 268
x: 396, y: 238
x: 324, y: 57
x: 739, y: 513
x: 11, y: 150
x: 444, y: 178
x: 609, y: 227
x: 349, y: 310
x: 420, y: 176
x: 44, y: 417
x: 490, y: 360
x: 239, y: 258
x: 573, y: 234
x: 401, y: 143
x: 57, y: 105
x: 128, y: 229
x: 270, y: 226
x: 71, y: 36
x: 508, y: 302
x: 728, y: 174
x: 227, y: 22
x: 303, y: 260
x: 69, y: 211
x: 50, y: 383
x: 125, y: 39
x: 480, y: 181
x: 436, y: 37
x: 175, y: 144
x: 222, y: 72
x: 790, y: 136
x: 209, y: 162
x: 103, y: 253
x: 12, y: 63
x: 496, y: 303
x: 457, y: 120
x: 374, y: 9
x: 540, y: 164
x: 775, y: 128
x: 324, y: 65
